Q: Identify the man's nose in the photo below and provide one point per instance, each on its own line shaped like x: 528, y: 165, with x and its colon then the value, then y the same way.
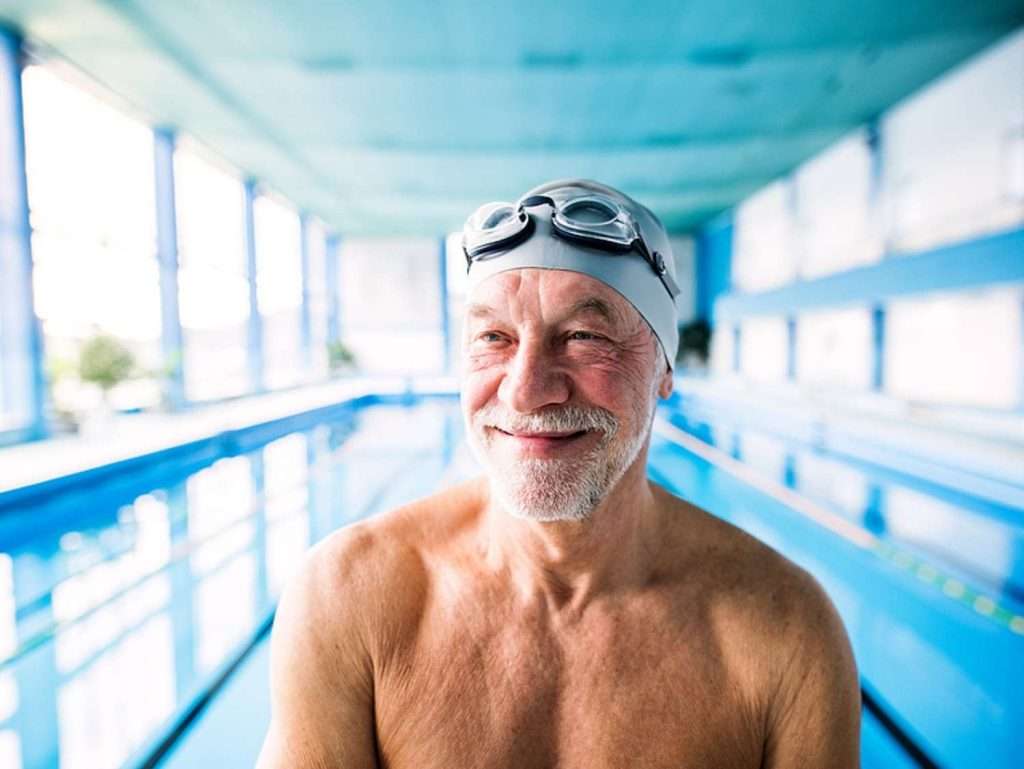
x: 533, y: 379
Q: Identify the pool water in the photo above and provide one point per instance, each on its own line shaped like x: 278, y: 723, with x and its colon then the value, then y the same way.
x: 124, y: 603
x: 119, y: 612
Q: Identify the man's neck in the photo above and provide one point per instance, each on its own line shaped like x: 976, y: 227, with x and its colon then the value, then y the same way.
x: 566, y: 565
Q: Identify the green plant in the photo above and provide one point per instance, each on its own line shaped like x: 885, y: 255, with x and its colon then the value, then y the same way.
x: 106, y: 361
x: 58, y: 368
x: 339, y: 356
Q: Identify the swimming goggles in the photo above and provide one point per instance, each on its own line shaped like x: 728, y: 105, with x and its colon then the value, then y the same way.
x: 588, y: 218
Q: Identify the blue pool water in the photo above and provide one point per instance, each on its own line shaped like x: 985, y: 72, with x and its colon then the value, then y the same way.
x: 123, y: 603
x: 933, y: 643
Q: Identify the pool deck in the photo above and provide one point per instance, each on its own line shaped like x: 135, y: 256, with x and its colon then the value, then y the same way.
x: 131, y: 436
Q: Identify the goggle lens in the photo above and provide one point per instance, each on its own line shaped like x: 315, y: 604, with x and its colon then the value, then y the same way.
x: 492, y: 216
x: 589, y: 213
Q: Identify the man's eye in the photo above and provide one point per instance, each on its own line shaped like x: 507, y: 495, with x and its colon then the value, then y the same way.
x: 490, y: 336
x: 583, y: 336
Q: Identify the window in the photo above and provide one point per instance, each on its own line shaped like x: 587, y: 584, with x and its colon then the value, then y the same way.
x: 458, y: 282
x: 91, y: 197
x: 391, y: 303
x: 764, y: 349
x: 834, y: 348
x: 316, y: 251
x: 9, y: 416
x: 953, y: 153
x: 212, y: 287
x: 765, y: 253
x: 723, y: 349
x: 837, y: 223
x: 279, y: 291
x: 957, y: 349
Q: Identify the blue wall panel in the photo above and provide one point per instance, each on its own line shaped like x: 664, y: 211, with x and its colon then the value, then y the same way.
x: 254, y: 336
x: 167, y: 256
x: 305, y: 314
x: 333, y: 278
x: 714, y: 264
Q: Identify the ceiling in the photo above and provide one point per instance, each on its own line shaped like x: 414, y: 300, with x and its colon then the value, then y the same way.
x: 400, y: 117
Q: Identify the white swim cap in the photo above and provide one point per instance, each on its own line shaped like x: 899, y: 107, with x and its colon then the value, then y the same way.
x: 626, y: 272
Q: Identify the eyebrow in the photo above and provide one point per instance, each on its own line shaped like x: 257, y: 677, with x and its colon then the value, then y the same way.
x: 591, y: 305
x: 480, y: 311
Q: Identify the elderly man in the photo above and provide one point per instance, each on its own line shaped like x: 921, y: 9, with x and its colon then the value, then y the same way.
x: 562, y: 610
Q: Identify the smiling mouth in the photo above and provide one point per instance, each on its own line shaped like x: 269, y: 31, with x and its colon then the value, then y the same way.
x: 543, y: 438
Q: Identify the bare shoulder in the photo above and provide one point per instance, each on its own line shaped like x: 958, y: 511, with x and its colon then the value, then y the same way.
x: 763, y: 605
x: 356, y: 597
x: 391, y: 545
x: 376, y: 572
x: 744, y: 571
x: 782, y: 635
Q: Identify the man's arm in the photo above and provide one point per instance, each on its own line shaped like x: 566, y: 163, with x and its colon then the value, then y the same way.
x: 814, y: 720
x: 322, y: 712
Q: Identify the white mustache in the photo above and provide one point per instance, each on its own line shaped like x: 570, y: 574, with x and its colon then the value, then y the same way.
x: 562, y: 420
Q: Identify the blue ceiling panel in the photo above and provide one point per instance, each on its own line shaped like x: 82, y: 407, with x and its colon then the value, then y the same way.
x: 399, y: 117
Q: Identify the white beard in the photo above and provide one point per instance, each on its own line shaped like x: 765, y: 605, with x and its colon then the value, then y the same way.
x: 559, y: 489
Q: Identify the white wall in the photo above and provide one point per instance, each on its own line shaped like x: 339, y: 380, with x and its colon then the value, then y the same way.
x: 950, y: 168
x: 953, y: 153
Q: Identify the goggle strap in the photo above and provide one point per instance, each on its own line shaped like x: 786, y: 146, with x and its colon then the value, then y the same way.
x: 667, y: 280
x: 657, y: 262
x: 499, y: 245
x: 537, y: 200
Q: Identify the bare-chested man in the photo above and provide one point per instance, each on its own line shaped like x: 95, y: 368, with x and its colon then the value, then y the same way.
x: 562, y: 610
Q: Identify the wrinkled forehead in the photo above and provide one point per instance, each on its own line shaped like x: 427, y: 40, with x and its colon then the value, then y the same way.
x: 551, y: 293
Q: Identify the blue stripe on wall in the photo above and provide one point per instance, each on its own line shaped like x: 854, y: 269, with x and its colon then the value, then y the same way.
x: 995, y: 259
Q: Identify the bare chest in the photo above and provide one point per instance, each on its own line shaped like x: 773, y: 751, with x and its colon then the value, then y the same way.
x: 626, y: 689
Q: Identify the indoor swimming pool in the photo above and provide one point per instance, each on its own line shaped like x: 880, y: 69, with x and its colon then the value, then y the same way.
x: 134, y: 609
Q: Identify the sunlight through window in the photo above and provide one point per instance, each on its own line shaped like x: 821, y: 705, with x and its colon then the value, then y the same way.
x: 279, y: 289
x: 212, y: 286
x: 91, y: 196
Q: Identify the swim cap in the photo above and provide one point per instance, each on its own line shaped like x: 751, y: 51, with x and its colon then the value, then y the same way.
x: 627, y: 273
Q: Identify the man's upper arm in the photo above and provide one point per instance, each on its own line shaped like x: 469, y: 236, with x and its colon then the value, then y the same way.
x: 814, y: 720
x: 321, y: 669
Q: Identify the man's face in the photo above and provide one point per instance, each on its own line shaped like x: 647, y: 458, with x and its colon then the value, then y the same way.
x: 561, y: 380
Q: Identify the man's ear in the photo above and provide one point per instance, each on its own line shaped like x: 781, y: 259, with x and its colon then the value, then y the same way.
x: 665, y: 385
